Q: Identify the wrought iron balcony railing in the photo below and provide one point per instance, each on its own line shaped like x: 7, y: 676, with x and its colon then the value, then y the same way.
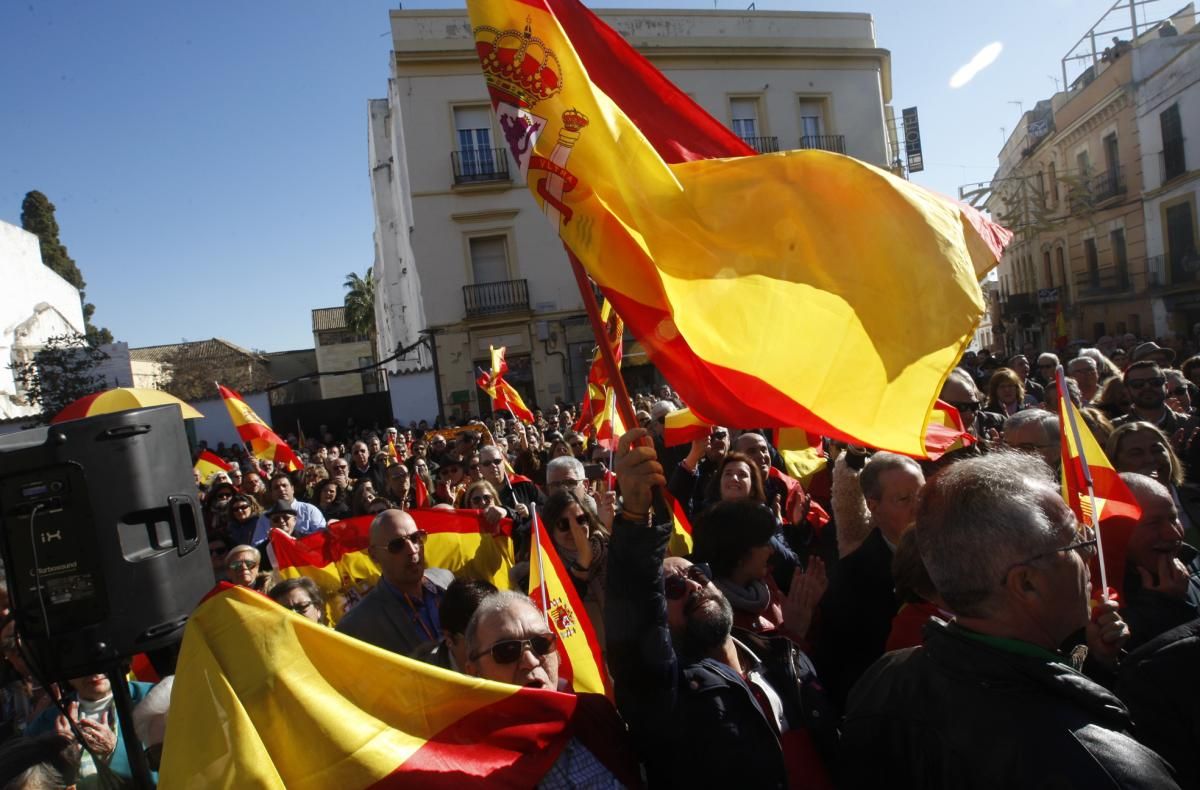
x: 506, y: 296
x: 825, y: 142
x: 479, y: 165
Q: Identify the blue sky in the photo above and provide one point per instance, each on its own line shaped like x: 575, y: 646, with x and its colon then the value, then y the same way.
x: 209, y: 160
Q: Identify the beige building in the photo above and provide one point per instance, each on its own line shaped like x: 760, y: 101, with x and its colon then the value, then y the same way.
x: 340, y: 349
x: 1071, y: 184
x: 464, y: 257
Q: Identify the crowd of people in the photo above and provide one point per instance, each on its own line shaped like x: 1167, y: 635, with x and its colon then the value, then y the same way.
x: 886, y: 621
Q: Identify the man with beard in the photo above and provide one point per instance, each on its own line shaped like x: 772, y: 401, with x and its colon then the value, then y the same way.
x: 1148, y: 392
x: 704, y: 710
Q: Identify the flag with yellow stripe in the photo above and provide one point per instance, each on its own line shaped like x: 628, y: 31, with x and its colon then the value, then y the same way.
x: 262, y: 442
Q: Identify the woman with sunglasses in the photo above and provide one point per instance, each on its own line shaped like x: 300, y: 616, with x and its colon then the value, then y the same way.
x: 242, y: 565
x: 480, y: 495
x: 216, y: 506
x: 302, y: 596
x: 244, y: 511
x: 582, y: 545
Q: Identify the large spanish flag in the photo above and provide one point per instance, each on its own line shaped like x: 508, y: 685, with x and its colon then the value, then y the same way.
x: 263, y: 443
x: 580, y: 661
x: 336, y: 558
x: 799, y: 289
x: 265, y: 698
x: 1117, y: 510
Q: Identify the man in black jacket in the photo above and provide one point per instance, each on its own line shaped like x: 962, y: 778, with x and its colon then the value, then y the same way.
x: 704, y: 710
x: 988, y: 701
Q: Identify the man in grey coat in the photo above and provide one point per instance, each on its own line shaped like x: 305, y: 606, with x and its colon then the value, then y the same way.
x: 402, y: 611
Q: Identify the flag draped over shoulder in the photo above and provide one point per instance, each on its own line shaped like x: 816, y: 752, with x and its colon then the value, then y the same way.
x: 552, y: 590
x: 503, y: 395
x: 774, y: 290
x: 336, y: 558
x: 265, y: 698
x: 1117, y: 510
x: 209, y: 463
x: 599, y: 404
x: 262, y: 442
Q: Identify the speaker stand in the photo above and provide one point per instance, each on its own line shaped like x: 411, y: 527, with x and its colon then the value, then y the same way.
x: 133, y: 745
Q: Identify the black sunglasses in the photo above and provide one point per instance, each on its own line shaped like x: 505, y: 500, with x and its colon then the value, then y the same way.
x: 969, y: 405
x: 675, y: 585
x: 564, y: 523
x: 511, y: 650
x: 397, y: 545
x: 1138, y: 384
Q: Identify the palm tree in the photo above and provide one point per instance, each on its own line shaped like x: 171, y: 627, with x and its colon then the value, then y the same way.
x: 360, y: 303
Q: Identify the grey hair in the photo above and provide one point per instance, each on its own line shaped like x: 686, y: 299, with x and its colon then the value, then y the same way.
x: 1048, y: 420
x: 244, y: 548
x: 1104, y: 365
x: 981, y: 516
x: 1089, y: 361
x: 963, y: 378
x: 1048, y: 357
x: 497, y: 603
x: 1144, y: 486
x: 565, y: 463
x: 871, y: 479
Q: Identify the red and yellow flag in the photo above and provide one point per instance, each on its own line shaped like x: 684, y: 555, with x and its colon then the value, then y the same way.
x: 269, y: 699
x: 262, y: 442
x: 681, y: 531
x: 716, y: 259
x: 598, y: 407
x: 945, y: 432
x: 581, y: 663
x: 336, y: 558
x: 209, y: 463
x: 803, y: 453
x: 682, y: 426
x: 503, y: 395
x: 1117, y: 510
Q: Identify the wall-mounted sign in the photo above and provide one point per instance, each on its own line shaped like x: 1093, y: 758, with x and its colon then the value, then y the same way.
x: 912, y: 140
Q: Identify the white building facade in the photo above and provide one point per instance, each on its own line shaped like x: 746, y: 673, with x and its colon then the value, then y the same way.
x: 35, y: 305
x: 463, y: 255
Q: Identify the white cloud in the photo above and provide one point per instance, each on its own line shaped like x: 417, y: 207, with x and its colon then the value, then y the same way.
x: 983, y: 58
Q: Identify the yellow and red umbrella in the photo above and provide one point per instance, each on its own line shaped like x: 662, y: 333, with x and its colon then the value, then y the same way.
x: 121, y: 399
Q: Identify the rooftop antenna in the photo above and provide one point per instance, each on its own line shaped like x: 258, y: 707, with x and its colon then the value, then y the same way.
x: 1020, y: 106
x: 1004, y: 134
x: 1056, y: 87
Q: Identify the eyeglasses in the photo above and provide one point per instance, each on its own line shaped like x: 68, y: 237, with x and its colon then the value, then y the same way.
x: 1086, y: 548
x: 224, y: 496
x: 482, y: 499
x: 718, y: 435
x: 511, y: 650
x: 240, y: 506
x: 492, y: 462
x: 397, y: 545
x: 300, y: 607
x: 564, y: 524
x: 237, y: 565
x: 567, y: 483
x: 965, y: 406
x: 575, y: 444
x: 213, y: 552
x: 1137, y: 384
x: 675, y: 585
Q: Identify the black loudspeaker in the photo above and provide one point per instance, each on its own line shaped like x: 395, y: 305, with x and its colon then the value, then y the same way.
x: 103, y: 541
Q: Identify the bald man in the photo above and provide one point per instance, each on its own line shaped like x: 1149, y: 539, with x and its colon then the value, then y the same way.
x: 402, y: 611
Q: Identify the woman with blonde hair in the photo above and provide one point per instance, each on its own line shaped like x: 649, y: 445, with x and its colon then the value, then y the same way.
x: 1142, y: 448
x: 1006, y: 393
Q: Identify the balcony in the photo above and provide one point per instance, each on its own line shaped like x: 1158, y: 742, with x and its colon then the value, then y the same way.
x: 825, y: 142
x: 763, y: 145
x: 506, y: 296
x: 479, y: 165
x: 1090, y: 191
x: 1102, y: 281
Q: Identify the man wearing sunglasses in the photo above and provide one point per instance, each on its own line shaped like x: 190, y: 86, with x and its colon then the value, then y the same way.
x: 960, y: 392
x: 508, y: 641
x: 517, y: 494
x: 402, y: 611
x: 1148, y: 395
x: 993, y: 698
x: 703, y: 709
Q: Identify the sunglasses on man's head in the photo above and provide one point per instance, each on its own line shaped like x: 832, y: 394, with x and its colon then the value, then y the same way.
x: 675, y: 585
x: 510, y: 650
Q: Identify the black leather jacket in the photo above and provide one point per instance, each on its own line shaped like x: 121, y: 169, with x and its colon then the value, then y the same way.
x: 959, y: 713
x: 694, y: 723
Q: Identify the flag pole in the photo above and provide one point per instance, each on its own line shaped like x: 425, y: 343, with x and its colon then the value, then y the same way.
x: 1069, y: 415
x: 621, y: 394
x: 537, y: 548
x: 612, y: 442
